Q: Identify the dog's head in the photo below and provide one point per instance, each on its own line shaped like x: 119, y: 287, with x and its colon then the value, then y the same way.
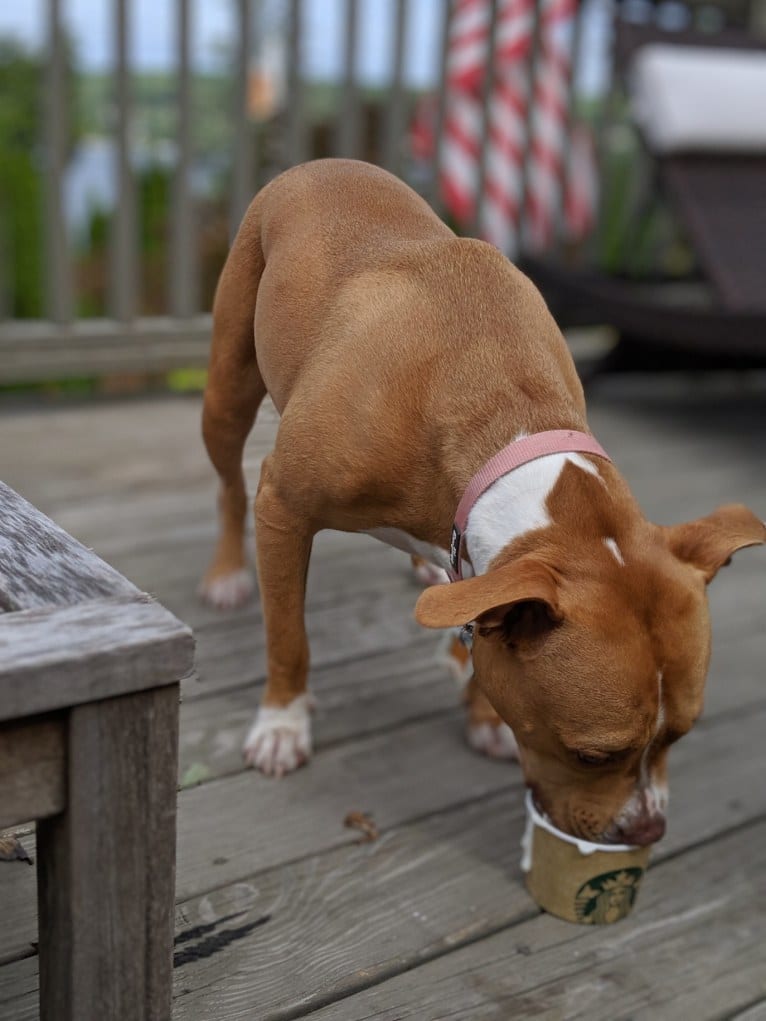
x: 596, y: 658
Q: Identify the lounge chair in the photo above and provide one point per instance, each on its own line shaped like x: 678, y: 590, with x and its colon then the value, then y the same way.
x: 711, y: 171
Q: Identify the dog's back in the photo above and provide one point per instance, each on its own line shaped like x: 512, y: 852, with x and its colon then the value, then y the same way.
x: 353, y: 269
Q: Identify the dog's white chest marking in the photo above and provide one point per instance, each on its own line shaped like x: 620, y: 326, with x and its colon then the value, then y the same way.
x: 514, y: 505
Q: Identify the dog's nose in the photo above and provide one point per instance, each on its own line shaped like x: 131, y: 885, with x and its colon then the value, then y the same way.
x: 646, y: 830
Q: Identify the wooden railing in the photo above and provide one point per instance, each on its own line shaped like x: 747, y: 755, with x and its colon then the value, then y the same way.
x: 63, y: 344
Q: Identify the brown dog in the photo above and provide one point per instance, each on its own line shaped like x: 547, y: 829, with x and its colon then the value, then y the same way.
x: 401, y: 359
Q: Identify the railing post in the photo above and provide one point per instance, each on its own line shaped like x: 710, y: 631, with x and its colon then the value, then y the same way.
x: 296, y: 142
x: 57, y: 268
x: 183, y: 279
x: 486, y: 118
x: 394, y: 127
x: 434, y: 195
x: 562, y: 188
x: 243, y: 184
x: 349, y: 121
x: 530, y: 113
x: 123, y: 241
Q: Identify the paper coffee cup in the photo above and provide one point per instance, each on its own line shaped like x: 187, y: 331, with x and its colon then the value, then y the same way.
x: 593, y: 884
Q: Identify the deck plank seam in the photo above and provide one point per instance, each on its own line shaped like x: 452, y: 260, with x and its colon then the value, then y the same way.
x: 743, y: 1011
x: 427, y: 957
x: 703, y: 726
x: 360, y: 657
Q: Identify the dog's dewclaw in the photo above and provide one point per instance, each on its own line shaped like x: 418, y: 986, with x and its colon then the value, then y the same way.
x: 12, y: 850
x: 362, y: 822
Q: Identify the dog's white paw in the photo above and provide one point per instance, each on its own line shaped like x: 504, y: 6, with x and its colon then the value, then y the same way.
x: 429, y: 574
x: 228, y: 590
x: 493, y: 739
x: 279, y: 740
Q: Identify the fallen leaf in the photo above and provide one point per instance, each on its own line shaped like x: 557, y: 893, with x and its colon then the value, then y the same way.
x: 12, y: 850
x: 362, y: 822
x: 196, y: 773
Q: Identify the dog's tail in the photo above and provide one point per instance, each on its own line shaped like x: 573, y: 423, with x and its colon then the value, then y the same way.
x: 235, y: 387
x: 237, y: 291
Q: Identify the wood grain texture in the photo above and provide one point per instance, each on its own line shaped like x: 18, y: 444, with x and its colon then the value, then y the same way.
x: 19, y: 985
x: 360, y: 914
x: 41, y: 565
x: 423, y: 768
x: 694, y: 949
x: 353, y: 699
x: 223, y: 842
x: 755, y: 1012
x: 131, y: 479
x: 61, y: 657
x: 32, y: 770
x: 106, y: 865
x: 233, y: 652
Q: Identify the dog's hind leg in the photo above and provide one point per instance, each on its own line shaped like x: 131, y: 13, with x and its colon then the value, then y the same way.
x: 233, y: 394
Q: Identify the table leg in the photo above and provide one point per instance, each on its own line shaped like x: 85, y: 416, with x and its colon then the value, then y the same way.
x: 106, y: 865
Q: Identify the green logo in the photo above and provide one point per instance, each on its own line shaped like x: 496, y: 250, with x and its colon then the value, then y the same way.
x: 608, y: 897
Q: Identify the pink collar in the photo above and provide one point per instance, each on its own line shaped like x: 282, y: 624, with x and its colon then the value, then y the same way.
x: 528, y: 448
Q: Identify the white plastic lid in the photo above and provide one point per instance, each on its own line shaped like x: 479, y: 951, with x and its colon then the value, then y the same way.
x: 536, y: 818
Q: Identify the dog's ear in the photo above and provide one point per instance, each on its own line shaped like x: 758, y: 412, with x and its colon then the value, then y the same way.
x: 490, y: 598
x: 708, y: 543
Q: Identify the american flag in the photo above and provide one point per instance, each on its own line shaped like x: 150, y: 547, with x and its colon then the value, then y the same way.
x: 546, y: 131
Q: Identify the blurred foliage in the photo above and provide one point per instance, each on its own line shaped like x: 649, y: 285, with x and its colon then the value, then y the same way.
x: 187, y: 380
x: 20, y: 233
x: 20, y: 184
x: 20, y: 97
x: 154, y: 98
x: 154, y: 206
x: 638, y: 234
x: 21, y: 168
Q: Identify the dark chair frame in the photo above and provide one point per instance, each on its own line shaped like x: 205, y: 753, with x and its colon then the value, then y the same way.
x: 720, y: 202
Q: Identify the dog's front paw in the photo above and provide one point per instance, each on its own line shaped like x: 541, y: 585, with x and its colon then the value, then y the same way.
x: 493, y: 739
x: 280, y: 739
x: 227, y: 591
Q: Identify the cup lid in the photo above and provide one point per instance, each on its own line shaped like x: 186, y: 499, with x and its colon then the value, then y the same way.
x: 535, y: 816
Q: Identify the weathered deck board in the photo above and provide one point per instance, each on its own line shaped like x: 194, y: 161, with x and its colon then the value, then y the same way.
x: 435, y: 884
x: 131, y: 480
x: 369, y: 623
x: 756, y: 1012
x: 676, y: 960
x: 471, y: 850
x: 352, y: 699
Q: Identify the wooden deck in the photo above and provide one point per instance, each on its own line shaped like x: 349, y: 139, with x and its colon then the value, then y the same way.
x: 281, y: 914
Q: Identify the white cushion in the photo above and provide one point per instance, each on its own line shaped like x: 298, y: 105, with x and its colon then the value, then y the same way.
x: 696, y: 99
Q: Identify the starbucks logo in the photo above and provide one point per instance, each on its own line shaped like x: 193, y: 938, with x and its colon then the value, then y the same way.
x: 608, y: 897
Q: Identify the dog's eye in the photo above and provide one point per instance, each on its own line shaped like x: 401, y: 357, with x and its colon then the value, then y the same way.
x: 590, y: 759
x: 602, y: 758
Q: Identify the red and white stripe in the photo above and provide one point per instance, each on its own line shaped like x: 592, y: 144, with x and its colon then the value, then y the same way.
x: 467, y: 62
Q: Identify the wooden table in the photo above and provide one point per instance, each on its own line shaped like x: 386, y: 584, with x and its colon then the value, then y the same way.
x: 89, y: 675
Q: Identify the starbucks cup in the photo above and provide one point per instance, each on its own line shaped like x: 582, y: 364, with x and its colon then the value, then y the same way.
x: 593, y: 884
